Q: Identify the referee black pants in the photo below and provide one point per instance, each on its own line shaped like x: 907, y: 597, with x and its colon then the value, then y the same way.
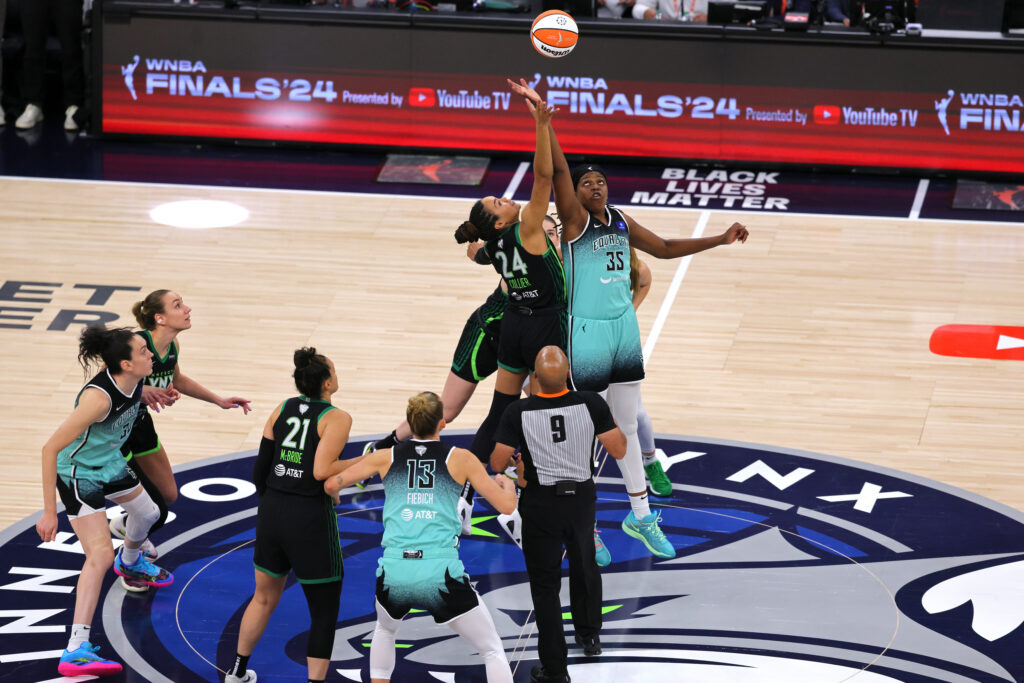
x: 551, y: 523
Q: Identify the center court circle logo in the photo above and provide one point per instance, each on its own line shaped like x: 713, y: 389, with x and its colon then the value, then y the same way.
x: 790, y: 566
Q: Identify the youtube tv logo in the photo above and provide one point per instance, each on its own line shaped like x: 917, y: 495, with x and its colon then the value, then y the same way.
x: 826, y: 113
x: 422, y: 97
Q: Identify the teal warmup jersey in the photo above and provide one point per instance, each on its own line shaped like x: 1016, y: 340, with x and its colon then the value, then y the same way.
x: 96, y: 453
x: 597, y: 269
x: 163, y: 366
x: 420, y: 498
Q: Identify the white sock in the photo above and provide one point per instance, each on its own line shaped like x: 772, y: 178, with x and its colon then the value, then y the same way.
x: 79, y: 635
x: 649, y: 458
x: 129, y: 555
x: 641, y: 508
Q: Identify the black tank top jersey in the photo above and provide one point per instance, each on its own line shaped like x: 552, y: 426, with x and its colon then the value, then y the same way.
x: 163, y: 368
x: 536, y: 282
x: 295, y: 442
x: 489, y: 315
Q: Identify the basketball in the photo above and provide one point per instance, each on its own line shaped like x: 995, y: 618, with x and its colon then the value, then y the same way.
x: 554, y: 33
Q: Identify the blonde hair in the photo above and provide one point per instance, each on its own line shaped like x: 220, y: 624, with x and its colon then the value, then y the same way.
x: 145, y: 311
x: 424, y: 413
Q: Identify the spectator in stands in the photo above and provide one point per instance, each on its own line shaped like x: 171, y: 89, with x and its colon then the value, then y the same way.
x: 614, y: 9
x: 671, y: 10
x: 36, y: 18
x: 837, y: 11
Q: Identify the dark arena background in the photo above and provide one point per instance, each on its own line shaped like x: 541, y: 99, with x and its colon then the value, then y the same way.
x: 837, y: 401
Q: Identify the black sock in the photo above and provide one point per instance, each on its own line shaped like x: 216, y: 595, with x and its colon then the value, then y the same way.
x: 316, y: 680
x: 483, y: 442
x: 241, y: 662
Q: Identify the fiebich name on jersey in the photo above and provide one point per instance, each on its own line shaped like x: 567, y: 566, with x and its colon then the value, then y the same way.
x: 419, y: 498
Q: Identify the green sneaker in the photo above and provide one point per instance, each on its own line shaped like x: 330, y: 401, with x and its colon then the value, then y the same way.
x: 658, y: 480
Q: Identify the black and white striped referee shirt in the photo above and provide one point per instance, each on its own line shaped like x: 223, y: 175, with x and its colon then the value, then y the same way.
x: 555, y: 434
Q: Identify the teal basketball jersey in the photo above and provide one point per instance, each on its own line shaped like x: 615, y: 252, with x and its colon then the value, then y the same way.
x: 420, y: 506
x: 98, y: 448
x: 597, y: 269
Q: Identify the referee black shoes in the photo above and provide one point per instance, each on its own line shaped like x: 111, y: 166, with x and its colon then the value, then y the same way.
x: 539, y: 675
x: 591, y: 646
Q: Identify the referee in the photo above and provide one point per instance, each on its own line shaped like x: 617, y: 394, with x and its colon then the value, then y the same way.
x: 555, y: 431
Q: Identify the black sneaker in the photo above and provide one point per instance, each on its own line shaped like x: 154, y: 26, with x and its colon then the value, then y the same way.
x: 539, y: 675
x: 591, y: 646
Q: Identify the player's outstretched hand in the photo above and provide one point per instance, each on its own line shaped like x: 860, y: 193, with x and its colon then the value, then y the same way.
x: 521, y: 88
x: 543, y: 113
x: 736, y: 231
x: 236, y: 402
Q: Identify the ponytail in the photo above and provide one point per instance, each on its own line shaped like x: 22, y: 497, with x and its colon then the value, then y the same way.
x: 111, y: 346
x: 466, y: 232
x: 145, y: 311
x: 479, y: 226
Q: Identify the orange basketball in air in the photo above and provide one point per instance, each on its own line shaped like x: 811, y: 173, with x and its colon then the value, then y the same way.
x: 554, y: 33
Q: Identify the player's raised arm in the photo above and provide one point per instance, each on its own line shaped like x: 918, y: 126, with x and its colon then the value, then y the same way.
x: 531, y: 230
x: 571, y: 213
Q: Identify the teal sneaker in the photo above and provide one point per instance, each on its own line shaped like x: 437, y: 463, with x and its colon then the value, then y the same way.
x: 601, y: 554
x: 84, y: 661
x: 648, y: 531
x: 143, y: 570
x: 660, y: 484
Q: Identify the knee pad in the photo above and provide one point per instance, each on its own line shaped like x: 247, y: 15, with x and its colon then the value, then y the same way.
x: 142, y: 513
x: 323, y: 600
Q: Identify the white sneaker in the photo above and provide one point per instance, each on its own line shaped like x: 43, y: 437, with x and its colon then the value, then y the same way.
x: 249, y: 677
x: 117, y: 530
x: 513, y: 526
x: 69, y: 118
x: 30, y: 118
x: 117, y: 526
x: 465, y: 510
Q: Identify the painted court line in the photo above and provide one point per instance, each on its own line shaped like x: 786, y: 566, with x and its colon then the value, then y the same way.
x: 673, y: 290
x: 384, y: 195
x: 513, y: 185
x: 922, y: 190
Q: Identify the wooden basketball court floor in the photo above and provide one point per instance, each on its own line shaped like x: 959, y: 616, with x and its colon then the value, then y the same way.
x: 813, y: 335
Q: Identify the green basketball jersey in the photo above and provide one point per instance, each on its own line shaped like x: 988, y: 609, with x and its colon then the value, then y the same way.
x: 597, y: 269
x: 536, y: 282
x: 420, y: 505
x: 96, y: 452
x: 163, y: 367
